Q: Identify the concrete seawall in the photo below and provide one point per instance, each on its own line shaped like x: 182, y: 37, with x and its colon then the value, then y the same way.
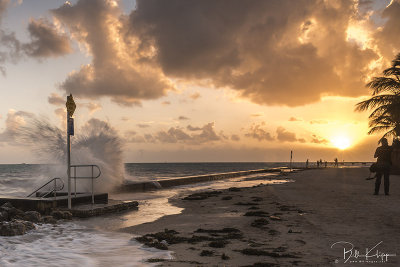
x: 164, y: 183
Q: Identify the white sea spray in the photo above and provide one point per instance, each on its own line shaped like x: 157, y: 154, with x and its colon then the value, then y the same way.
x: 96, y: 142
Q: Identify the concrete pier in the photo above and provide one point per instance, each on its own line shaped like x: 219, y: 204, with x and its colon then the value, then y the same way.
x: 44, y: 205
x: 164, y: 183
x: 113, y: 206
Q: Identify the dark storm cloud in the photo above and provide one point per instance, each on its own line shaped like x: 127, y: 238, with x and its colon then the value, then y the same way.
x: 388, y: 36
x: 267, y: 50
x: 277, y: 52
x: 118, y: 69
x: 46, y: 40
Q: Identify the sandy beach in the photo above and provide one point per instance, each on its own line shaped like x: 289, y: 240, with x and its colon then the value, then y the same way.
x: 283, y: 225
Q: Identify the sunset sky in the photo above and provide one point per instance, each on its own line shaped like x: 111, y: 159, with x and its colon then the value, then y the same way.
x: 191, y: 80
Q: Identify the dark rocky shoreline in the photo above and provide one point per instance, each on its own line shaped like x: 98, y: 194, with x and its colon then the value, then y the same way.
x: 14, y: 221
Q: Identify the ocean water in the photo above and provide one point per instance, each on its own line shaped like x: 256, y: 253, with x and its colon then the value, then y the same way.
x: 96, y: 241
x: 154, y: 171
x: 70, y: 244
x: 21, y: 179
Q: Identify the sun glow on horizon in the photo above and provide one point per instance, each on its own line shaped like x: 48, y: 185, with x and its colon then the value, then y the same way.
x: 341, y: 142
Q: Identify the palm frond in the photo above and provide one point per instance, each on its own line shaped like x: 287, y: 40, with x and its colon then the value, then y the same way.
x: 385, y: 102
x: 396, y: 61
x: 384, y: 84
x: 392, y: 71
x: 378, y: 129
x: 375, y: 101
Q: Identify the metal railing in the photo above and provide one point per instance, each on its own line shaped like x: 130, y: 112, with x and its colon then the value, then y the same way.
x: 54, y: 190
x: 92, y: 177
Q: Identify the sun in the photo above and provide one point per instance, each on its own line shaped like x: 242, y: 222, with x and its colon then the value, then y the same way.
x: 341, y: 142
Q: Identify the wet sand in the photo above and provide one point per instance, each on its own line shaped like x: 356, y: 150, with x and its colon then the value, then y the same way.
x: 289, y: 224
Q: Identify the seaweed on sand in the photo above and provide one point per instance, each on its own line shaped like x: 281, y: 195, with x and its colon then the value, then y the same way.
x: 202, y: 195
x: 259, y: 252
x: 259, y: 213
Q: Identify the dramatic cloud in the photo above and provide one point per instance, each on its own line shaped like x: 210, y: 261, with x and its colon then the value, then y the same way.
x: 318, y: 140
x: 120, y: 68
x: 388, y: 36
x: 56, y: 99
x: 285, y: 136
x: 257, y: 132
x: 277, y: 52
x: 207, y: 134
x: 46, y: 40
x: 14, y: 120
x: 267, y: 50
x: 92, y: 107
x: 10, y: 47
x: 191, y: 128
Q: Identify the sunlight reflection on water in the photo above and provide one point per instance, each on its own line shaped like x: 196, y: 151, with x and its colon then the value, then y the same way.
x: 154, y: 204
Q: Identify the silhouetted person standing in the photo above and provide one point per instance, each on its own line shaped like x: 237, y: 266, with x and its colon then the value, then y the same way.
x: 383, y: 153
x: 336, y: 163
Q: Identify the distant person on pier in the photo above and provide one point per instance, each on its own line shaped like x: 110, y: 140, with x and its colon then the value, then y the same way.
x: 317, y: 163
x: 307, y: 164
x: 336, y: 163
x: 384, y: 162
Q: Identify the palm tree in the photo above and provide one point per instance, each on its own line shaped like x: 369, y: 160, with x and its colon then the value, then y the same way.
x: 385, y: 102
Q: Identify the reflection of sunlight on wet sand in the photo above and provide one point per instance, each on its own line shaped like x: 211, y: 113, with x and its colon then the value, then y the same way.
x: 154, y: 205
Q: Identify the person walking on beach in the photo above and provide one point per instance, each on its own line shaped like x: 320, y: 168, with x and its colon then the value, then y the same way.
x: 383, y: 153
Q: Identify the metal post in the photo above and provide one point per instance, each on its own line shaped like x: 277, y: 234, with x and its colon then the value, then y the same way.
x: 55, y: 189
x: 69, y: 164
x: 75, y: 179
x: 92, y: 188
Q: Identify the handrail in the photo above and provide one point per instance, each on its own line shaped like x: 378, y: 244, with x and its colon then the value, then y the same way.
x: 55, y: 189
x: 92, y: 177
x: 86, y: 177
